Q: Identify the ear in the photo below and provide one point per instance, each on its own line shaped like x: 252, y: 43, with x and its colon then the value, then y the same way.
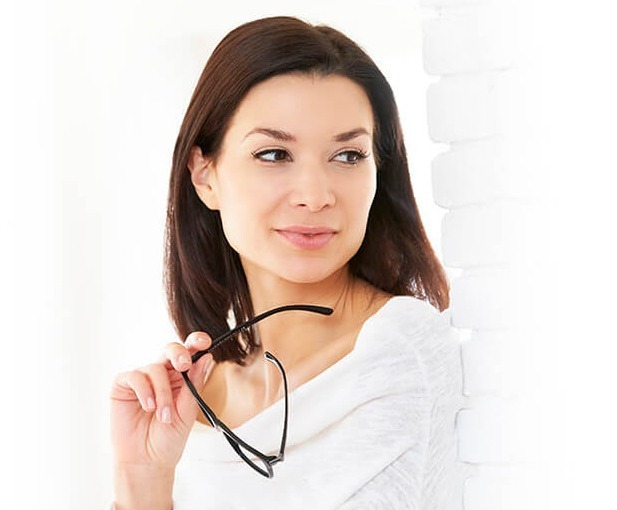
x: 203, y: 177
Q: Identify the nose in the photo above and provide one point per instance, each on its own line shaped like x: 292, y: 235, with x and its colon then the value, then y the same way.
x: 312, y: 188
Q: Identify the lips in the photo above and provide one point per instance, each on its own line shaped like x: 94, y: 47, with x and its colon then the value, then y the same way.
x: 307, y: 237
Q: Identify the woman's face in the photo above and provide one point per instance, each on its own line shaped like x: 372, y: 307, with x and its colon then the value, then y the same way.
x: 295, y: 177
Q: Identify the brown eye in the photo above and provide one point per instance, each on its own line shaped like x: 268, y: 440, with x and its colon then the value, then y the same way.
x: 272, y: 155
x: 350, y: 157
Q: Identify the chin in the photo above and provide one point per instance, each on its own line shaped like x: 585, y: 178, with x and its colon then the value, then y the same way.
x: 305, y: 280
x: 310, y: 275
x: 298, y: 270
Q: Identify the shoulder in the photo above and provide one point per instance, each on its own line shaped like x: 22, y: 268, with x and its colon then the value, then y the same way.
x: 412, y: 323
x: 409, y: 335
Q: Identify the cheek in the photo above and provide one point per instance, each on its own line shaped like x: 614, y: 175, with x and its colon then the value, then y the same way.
x: 245, y: 212
x: 363, y: 196
x: 237, y: 222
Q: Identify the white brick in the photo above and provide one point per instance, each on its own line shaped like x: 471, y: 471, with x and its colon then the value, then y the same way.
x: 479, y: 171
x: 497, y: 431
x: 489, y: 300
x: 507, y: 363
x: 451, y: 3
x: 481, y: 235
x: 464, y: 107
x: 478, y: 38
x: 493, y: 363
x: 506, y: 488
x: 469, y: 173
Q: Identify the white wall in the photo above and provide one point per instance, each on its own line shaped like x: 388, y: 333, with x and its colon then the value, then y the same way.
x: 525, y: 101
x: 492, y: 193
x: 513, y: 141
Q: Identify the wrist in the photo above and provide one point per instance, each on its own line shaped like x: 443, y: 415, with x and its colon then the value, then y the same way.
x: 143, y: 487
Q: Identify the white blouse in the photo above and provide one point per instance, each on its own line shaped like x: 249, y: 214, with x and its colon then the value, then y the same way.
x: 375, y: 430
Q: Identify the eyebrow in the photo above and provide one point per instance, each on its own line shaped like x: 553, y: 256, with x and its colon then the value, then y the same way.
x: 283, y: 136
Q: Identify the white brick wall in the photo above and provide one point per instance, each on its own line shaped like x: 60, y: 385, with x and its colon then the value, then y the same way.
x: 487, y: 189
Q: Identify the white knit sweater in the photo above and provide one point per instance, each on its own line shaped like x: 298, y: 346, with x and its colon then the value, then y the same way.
x: 375, y: 430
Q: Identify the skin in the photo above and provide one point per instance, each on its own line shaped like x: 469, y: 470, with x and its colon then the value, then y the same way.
x: 294, y: 182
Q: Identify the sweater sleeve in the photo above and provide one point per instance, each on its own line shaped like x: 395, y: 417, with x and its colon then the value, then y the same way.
x: 435, y: 480
x: 391, y: 488
x: 442, y: 475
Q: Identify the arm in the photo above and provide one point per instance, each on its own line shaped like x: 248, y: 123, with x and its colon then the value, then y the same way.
x: 143, y: 487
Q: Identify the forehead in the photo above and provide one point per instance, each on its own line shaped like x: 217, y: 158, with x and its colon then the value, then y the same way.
x: 305, y: 105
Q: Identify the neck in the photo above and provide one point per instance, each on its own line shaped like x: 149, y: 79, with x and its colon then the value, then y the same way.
x: 293, y: 334
x: 270, y: 293
x: 305, y: 342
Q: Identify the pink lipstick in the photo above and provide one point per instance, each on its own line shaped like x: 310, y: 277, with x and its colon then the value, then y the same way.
x: 307, y: 237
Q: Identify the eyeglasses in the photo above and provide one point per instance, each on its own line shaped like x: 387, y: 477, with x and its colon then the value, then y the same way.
x: 241, y: 447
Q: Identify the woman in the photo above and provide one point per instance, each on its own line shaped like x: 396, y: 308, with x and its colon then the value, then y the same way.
x: 290, y: 186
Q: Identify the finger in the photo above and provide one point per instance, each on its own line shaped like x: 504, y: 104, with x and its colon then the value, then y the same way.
x: 198, y: 341
x: 163, y: 395
x: 138, y: 383
x: 178, y: 355
x: 200, y: 371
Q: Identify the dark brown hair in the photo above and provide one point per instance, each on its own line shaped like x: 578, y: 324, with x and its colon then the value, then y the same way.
x: 203, y: 274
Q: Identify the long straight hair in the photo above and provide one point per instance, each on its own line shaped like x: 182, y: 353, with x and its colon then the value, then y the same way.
x: 204, y: 278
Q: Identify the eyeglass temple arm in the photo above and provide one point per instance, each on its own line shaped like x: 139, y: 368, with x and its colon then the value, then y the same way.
x: 219, y: 425
x: 323, y: 310
x: 235, y: 441
x: 270, y: 357
x: 202, y: 405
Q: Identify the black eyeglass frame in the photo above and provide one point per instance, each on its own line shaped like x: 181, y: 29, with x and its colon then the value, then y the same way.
x: 236, y: 442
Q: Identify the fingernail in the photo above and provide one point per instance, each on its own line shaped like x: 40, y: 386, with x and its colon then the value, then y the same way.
x: 183, y: 361
x: 150, y: 403
x: 192, y: 340
x: 166, y: 415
